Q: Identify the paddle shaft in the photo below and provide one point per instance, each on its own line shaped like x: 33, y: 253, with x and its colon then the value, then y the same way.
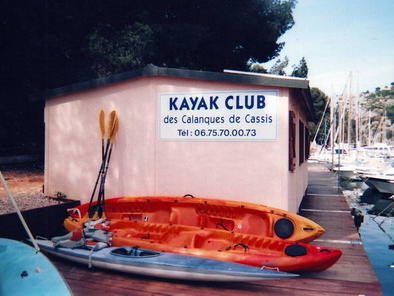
x: 101, y: 197
x: 100, y: 174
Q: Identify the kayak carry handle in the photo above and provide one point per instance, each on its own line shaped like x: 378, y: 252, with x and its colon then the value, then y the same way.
x: 189, y: 195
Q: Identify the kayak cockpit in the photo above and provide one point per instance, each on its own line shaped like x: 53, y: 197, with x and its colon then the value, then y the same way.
x: 134, y: 252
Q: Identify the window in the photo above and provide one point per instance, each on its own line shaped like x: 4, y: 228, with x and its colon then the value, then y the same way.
x: 292, y: 141
x: 301, y: 142
x: 307, y: 143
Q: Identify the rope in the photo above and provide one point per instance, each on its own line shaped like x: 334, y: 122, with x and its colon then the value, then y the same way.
x: 388, y: 214
x: 381, y: 228
x: 12, y: 199
x: 385, y: 208
x: 221, y: 224
x: 238, y: 245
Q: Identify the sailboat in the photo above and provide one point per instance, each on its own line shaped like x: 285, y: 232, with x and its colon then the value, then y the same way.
x: 355, y: 151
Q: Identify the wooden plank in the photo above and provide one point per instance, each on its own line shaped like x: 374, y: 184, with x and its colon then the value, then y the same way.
x: 324, y: 202
x: 337, y: 225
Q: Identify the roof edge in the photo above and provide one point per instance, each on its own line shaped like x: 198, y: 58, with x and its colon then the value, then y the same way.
x: 151, y: 70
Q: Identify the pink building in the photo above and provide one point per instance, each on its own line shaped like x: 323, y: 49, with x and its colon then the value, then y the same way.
x: 231, y: 135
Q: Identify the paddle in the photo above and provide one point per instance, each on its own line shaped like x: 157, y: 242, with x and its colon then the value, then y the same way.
x: 102, y: 130
x: 111, y: 133
x: 113, y: 129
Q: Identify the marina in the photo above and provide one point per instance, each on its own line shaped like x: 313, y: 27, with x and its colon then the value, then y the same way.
x: 219, y: 148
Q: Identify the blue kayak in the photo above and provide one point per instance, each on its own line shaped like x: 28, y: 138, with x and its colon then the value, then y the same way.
x: 164, y: 265
x: 25, y: 271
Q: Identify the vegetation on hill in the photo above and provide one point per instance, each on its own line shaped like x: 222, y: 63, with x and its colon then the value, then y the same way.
x: 376, y: 110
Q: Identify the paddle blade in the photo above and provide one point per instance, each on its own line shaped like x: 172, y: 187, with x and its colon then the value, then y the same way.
x: 111, y: 122
x: 114, y: 130
x: 102, y: 123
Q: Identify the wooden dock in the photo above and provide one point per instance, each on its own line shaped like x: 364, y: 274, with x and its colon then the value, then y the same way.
x: 324, y: 203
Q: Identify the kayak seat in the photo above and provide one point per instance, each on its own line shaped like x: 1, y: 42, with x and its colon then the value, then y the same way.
x: 205, y: 240
x: 158, y: 216
x: 253, y: 224
x: 183, y: 239
x: 133, y: 252
x: 120, y: 251
x: 184, y: 216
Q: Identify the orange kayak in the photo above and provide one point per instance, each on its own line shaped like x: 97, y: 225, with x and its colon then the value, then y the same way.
x: 232, y: 216
x: 252, y: 250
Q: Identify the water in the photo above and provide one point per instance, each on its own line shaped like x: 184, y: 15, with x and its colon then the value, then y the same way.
x: 376, y: 244
x: 377, y: 233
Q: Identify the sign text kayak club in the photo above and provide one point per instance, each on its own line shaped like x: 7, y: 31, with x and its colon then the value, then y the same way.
x: 231, y: 116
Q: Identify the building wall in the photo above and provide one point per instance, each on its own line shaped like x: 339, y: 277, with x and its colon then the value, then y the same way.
x: 142, y: 164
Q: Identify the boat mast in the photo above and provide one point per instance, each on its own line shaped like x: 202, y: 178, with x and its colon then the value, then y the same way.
x: 332, y: 129
x: 384, y: 136
x: 358, y: 116
x: 349, y: 114
x: 369, y: 127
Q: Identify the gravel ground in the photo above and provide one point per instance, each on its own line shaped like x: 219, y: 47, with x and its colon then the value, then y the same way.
x: 26, y: 183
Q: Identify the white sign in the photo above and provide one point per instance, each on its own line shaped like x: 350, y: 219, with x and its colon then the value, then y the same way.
x: 222, y: 116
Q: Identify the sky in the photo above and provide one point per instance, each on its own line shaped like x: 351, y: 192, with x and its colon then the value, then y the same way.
x: 339, y: 37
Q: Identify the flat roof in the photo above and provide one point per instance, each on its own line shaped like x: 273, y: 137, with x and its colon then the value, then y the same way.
x: 229, y: 76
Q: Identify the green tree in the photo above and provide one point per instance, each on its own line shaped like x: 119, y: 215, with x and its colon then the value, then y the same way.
x: 114, y: 50
x: 300, y: 70
x: 380, y: 103
x: 254, y: 66
x: 320, y: 99
x: 49, y: 44
x: 279, y: 66
x: 211, y: 35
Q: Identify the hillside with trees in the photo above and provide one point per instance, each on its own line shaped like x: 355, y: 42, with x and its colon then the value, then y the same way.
x: 379, y: 104
x: 375, y: 115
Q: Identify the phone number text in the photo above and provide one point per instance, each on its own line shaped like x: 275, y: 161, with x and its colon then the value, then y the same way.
x: 217, y: 132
